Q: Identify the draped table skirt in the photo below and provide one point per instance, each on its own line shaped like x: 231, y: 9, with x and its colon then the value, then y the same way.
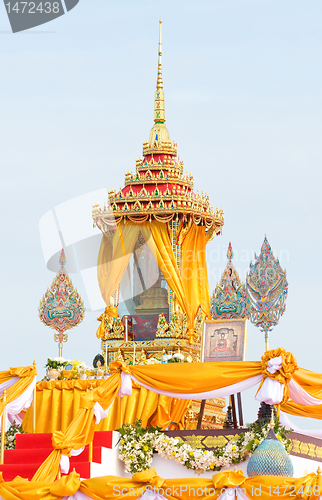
x: 58, y: 401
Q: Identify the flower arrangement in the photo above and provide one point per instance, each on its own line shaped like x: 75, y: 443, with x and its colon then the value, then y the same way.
x: 137, y: 445
x: 79, y: 367
x: 10, y: 436
x: 56, y: 363
x: 177, y: 357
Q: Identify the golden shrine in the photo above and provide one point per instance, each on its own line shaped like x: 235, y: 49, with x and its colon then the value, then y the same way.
x: 159, y: 221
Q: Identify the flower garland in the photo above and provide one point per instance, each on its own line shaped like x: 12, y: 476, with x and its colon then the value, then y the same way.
x: 138, y: 443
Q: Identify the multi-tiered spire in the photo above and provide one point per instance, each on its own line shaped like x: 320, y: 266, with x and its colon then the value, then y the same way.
x: 159, y: 189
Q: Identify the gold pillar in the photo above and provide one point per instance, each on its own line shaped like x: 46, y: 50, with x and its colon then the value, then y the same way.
x: 3, y: 430
x: 34, y: 406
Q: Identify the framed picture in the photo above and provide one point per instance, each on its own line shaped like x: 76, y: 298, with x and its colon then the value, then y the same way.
x: 225, y: 340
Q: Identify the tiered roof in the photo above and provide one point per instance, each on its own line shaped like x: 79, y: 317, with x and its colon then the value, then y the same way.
x: 159, y: 189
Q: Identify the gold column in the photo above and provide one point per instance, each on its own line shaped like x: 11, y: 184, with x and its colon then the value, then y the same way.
x: 34, y: 406
x: 3, y: 430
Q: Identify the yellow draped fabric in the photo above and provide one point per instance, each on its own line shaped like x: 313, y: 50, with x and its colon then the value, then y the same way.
x: 108, y: 312
x: 314, y: 411
x: 284, y: 374
x: 161, y: 247
x: 114, y: 257
x: 26, y: 375
x: 311, y: 382
x: 190, y: 285
x: 81, y: 430
x: 308, y: 487
x: 177, y: 378
x: 187, y: 378
x: 194, y: 270
x: 59, y: 401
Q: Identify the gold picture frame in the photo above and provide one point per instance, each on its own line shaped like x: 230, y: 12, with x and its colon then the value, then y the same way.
x: 224, y: 340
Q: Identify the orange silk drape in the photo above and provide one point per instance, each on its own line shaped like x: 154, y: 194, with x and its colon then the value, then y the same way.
x: 58, y: 402
x: 190, y: 284
x: 114, y: 257
x: 194, y: 269
x: 161, y: 247
x: 81, y: 430
x: 26, y: 376
x: 119, y: 488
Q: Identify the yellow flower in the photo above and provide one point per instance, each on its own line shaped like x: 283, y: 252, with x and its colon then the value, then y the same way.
x: 191, y: 453
x: 145, y: 448
x: 256, y: 441
x: 233, y: 448
x: 122, y: 442
x: 205, y: 451
x: 212, y: 465
x: 133, y: 444
x: 173, y: 453
x: 166, y: 441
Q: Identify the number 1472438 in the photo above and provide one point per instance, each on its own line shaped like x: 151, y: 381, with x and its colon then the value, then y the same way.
x: 33, y: 7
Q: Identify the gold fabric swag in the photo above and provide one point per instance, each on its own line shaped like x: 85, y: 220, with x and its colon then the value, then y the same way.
x: 190, y: 285
x: 181, y: 379
x: 308, y: 487
x: 58, y: 403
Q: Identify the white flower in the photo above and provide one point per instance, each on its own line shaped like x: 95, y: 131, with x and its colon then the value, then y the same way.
x: 179, y: 355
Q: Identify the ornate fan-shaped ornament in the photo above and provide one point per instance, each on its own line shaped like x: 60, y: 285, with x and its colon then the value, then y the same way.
x: 266, y: 290
x: 61, y: 308
x: 229, y: 298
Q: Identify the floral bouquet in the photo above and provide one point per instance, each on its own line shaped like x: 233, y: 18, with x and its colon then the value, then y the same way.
x: 56, y: 363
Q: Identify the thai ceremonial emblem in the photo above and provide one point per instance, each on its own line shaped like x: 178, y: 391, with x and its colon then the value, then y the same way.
x: 229, y: 298
x: 266, y: 290
x: 61, y: 308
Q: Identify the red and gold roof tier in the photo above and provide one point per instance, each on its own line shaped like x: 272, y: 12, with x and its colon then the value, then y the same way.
x: 158, y: 189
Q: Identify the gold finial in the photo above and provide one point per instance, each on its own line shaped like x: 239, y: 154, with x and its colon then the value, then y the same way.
x: 159, y: 80
x: 318, y: 471
x: 159, y: 115
x: 272, y: 422
x: 159, y: 135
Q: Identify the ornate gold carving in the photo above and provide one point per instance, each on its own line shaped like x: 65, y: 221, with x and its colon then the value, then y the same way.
x: 311, y: 452
x: 142, y: 357
x: 162, y: 328
x: 232, y: 437
x: 215, y: 441
x: 178, y: 325
x: 119, y: 356
x: 296, y: 446
x: 194, y: 441
x: 304, y: 448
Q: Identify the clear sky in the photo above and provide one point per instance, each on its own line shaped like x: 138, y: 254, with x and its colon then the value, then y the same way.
x: 242, y: 81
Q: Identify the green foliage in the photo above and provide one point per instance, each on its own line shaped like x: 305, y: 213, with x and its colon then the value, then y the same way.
x: 55, y: 364
x: 10, y: 436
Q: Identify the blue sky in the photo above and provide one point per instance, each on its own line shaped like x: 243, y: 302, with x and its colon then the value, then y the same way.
x: 243, y: 101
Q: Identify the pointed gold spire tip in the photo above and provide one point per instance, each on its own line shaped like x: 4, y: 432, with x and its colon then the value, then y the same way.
x: 159, y: 80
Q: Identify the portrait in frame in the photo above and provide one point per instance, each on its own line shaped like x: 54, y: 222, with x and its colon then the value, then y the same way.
x: 224, y: 340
